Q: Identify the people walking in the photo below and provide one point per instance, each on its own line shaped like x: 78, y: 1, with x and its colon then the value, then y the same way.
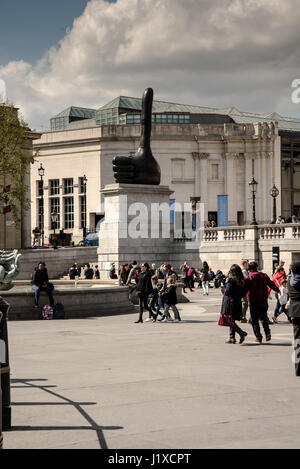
x: 170, y: 297
x: 235, y: 289
x: 191, y: 276
x: 184, y: 268
x: 144, y: 289
x: 245, y: 272
x: 294, y: 311
x: 205, y: 277
x: 277, y: 279
x: 257, y: 284
x: 282, y: 299
x: 41, y: 283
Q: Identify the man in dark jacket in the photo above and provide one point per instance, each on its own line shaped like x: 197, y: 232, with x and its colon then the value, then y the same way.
x: 89, y: 272
x: 257, y: 284
x: 41, y: 282
x: 144, y: 289
x: 294, y: 311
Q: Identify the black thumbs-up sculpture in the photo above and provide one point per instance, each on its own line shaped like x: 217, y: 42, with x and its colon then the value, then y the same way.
x: 142, y: 168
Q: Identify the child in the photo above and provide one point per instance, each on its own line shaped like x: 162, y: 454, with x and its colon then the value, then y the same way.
x: 153, y: 299
x: 170, y: 301
x: 283, y: 299
x: 160, y: 299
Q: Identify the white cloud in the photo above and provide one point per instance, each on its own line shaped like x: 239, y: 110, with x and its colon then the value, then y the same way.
x: 242, y: 53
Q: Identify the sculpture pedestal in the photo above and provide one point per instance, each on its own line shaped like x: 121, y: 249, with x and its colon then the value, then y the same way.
x: 136, y: 226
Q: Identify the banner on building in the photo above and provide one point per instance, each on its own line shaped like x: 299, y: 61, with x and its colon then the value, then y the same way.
x: 222, y: 210
x: 6, y: 200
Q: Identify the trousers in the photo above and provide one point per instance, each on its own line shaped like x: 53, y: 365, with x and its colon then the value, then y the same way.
x: 258, y: 311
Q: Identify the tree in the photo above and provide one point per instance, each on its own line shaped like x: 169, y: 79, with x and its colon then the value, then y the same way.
x: 15, y: 159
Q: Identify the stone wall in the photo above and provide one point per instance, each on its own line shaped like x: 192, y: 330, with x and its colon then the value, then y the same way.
x: 58, y: 261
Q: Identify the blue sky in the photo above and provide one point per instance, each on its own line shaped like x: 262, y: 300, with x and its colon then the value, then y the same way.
x: 29, y: 27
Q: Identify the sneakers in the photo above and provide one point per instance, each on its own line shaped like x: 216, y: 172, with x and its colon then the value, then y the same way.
x: 258, y: 341
x: 148, y: 320
x: 164, y: 320
x: 268, y: 337
x: 176, y: 320
x: 274, y: 320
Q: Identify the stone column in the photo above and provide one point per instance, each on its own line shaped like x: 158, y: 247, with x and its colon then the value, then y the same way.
x: 76, y: 208
x: 203, y: 181
x: 197, y: 185
x: 231, y: 189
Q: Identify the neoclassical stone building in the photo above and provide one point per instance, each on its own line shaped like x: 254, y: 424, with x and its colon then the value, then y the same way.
x: 204, y: 153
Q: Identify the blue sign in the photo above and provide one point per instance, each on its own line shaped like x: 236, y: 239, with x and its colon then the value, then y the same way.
x: 172, y: 210
x: 222, y: 210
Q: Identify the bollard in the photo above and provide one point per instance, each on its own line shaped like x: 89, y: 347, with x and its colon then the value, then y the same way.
x: 4, y: 368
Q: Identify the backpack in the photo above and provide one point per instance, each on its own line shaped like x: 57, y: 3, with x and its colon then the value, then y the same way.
x: 59, y: 311
x: 47, y: 312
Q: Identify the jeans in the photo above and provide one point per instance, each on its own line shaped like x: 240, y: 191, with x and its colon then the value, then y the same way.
x: 175, y: 311
x: 277, y: 307
x: 258, y: 311
x: 37, y: 291
x: 205, y: 286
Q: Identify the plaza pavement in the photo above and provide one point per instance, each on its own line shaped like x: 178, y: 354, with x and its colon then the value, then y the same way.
x: 107, y: 382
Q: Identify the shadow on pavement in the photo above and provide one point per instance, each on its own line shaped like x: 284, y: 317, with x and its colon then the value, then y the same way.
x: 30, y: 383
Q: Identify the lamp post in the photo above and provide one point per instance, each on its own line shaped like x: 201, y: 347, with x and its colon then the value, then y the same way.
x: 274, y: 192
x: 84, y: 182
x: 41, y: 172
x: 253, y: 185
x: 54, y: 217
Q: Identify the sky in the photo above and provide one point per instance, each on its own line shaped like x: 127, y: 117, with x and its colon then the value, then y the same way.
x: 218, y: 53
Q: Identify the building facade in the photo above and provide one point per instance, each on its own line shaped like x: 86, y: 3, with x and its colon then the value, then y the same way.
x: 204, y: 153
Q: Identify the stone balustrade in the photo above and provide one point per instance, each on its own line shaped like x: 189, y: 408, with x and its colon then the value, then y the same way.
x: 223, y: 246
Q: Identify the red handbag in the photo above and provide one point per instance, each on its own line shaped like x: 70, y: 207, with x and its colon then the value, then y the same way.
x: 226, y: 319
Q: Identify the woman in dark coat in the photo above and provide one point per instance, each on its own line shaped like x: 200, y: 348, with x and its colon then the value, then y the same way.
x: 144, y: 289
x: 234, y: 290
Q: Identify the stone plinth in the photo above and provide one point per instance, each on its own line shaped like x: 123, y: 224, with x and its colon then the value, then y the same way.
x: 136, y: 225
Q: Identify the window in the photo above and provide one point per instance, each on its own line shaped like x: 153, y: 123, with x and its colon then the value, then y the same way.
x: 54, y: 186
x: 178, y: 169
x: 41, y: 214
x: 214, y: 171
x: 68, y: 186
x: 82, y: 200
x: 55, y: 207
x: 69, y: 212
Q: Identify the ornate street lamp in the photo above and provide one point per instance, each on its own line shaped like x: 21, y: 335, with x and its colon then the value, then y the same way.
x: 54, y: 218
x: 41, y: 172
x: 84, y: 182
x: 274, y: 192
x: 253, y: 186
